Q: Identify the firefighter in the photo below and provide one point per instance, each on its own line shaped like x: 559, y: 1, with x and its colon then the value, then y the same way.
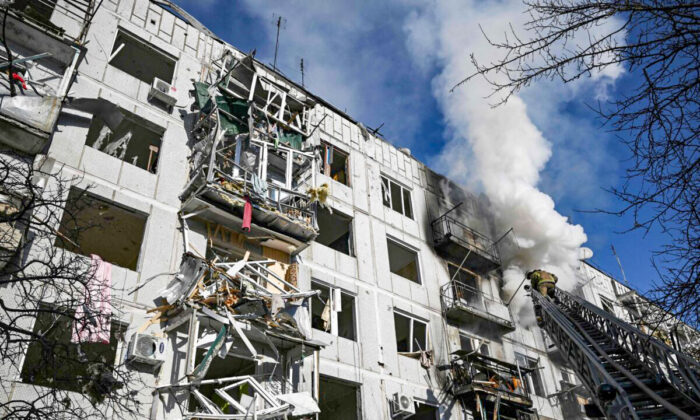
x: 542, y: 281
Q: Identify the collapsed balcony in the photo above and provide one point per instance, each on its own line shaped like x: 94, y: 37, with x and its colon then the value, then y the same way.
x: 455, y: 241
x: 39, y: 68
x: 248, y: 163
x: 465, y: 303
x: 488, y: 385
x: 240, y: 317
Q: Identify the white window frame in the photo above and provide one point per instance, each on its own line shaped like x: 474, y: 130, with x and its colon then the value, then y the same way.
x: 529, y: 379
x: 334, y: 293
x: 413, y: 319
x: 403, y: 188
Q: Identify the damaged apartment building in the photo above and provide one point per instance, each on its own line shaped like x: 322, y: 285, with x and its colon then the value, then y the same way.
x: 270, y: 257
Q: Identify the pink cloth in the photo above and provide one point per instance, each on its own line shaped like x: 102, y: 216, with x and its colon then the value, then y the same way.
x: 92, y: 318
x: 247, y: 215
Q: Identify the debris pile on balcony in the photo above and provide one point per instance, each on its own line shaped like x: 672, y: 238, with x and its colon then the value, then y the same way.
x: 251, y: 156
x: 261, y: 292
x: 251, y: 308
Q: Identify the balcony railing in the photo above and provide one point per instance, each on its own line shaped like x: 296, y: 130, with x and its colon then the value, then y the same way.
x: 473, y: 372
x: 463, y: 302
x: 455, y: 239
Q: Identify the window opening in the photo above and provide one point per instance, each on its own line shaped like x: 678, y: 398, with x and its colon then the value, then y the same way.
x: 465, y: 286
x: 72, y: 364
x: 397, y: 197
x: 534, y: 382
x: 87, y: 220
x: 339, y: 400
x: 134, y: 140
x: 424, y: 412
x: 403, y: 261
x: 607, y: 305
x: 411, y: 334
x: 335, y: 231
x: 223, y: 368
x: 141, y: 60
x: 335, y: 163
x: 468, y: 344
x: 333, y: 318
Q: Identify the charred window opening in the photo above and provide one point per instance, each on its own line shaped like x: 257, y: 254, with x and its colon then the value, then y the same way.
x: 339, y: 400
x: 534, y: 382
x: 141, y: 60
x: 403, y: 261
x: 133, y: 139
x: 397, y: 197
x: 91, y: 225
x: 335, y: 231
x: 465, y: 285
x: 469, y: 344
x: 335, y: 163
x: 411, y: 334
x: 333, y: 311
x: 72, y: 367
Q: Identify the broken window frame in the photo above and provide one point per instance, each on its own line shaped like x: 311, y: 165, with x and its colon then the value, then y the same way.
x: 275, y: 102
x: 388, y: 185
x: 330, y: 150
x: 607, y: 305
x: 468, y: 294
x: 419, y: 278
x: 534, y: 382
x: 358, y: 394
x: 333, y: 322
x: 412, y: 321
x: 116, y: 49
x: 351, y: 236
x: 484, y: 348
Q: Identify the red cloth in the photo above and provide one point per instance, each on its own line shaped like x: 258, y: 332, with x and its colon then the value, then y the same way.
x: 19, y: 78
x: 247, y: 215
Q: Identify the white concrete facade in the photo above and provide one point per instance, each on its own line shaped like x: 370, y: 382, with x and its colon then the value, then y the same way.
x: 371, y: 361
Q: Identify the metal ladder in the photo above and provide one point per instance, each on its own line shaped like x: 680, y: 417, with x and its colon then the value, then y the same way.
x: 648, y: 379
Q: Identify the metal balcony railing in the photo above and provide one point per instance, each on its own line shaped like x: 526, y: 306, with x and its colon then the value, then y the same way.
x: 459, y: 299
x: 448, y: 231
x: 474, y: 372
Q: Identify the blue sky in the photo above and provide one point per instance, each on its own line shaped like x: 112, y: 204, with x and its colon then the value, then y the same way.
x: 392, y: 62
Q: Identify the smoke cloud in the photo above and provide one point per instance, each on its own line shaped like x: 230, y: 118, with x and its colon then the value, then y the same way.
x: 498, y: 150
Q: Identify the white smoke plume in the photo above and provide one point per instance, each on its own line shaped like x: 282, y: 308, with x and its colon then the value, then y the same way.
x: 500, y: 147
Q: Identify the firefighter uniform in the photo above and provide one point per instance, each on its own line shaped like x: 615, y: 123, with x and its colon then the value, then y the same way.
x: 542, y: 281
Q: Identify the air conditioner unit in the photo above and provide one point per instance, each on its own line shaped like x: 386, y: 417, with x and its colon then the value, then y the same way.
x: 162, y: 91
x: 145, y: 348
x: 403, y: 405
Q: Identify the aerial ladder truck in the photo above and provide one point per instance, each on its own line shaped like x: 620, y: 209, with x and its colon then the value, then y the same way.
x: 629, y: 374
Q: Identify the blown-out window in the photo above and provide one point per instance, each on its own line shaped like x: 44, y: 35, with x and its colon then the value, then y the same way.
x: 403, y: 261
x: 534, y: 382
x: 333, y: 311
x: 335, y: 163
x: 140, y: 59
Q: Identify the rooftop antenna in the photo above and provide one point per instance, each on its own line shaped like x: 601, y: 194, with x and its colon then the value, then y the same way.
x: 280, y: 21
x: 619, y: 264
x: 301, y: 66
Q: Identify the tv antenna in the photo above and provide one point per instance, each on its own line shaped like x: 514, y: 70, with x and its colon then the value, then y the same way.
x: 280, y: 22
x: 301, y: 66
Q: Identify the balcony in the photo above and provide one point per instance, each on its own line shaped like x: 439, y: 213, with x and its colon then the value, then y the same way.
x: 453, y: 240
x: 498, y: 384
x: 43, y: 62
x: 243, y: 156
x: 465, y: 303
